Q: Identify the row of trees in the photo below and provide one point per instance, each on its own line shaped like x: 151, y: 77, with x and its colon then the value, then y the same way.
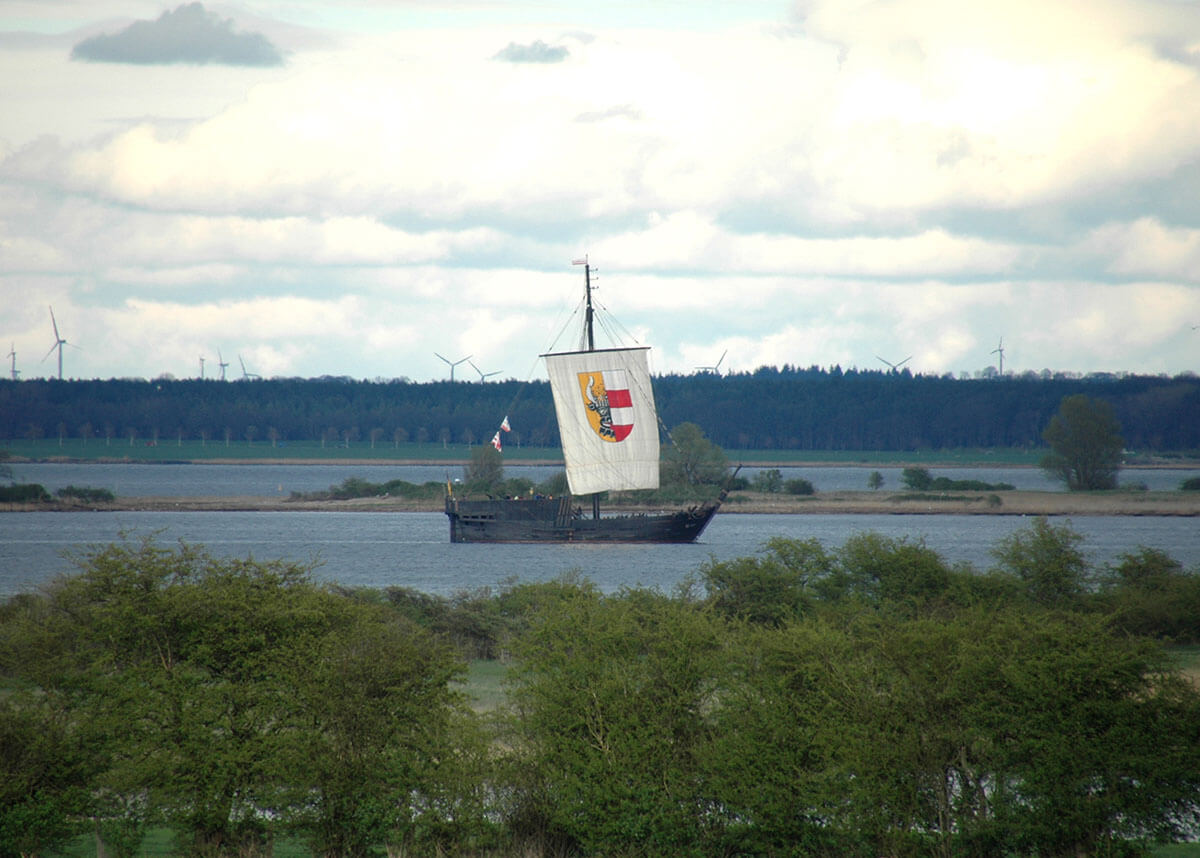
x: 813, y: 409
x: 863, y: 700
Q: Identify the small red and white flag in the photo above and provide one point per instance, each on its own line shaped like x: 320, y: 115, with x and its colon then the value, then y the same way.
x: 496, y: 441
x: 504, y: 425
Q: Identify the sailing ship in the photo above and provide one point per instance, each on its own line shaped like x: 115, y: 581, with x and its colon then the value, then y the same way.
x: 608, y: 426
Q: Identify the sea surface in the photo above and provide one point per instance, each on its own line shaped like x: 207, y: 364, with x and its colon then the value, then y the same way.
x: 386, y: 549
x: 199, y: 480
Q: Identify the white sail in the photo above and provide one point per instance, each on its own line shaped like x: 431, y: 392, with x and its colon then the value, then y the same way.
x: 606, y: 419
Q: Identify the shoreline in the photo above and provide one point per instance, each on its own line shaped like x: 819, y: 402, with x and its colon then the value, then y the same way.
x: 1020, y: 503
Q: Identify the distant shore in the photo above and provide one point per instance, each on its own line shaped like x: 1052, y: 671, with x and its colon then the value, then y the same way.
x: 849, y: 460
x: 1025, y: 503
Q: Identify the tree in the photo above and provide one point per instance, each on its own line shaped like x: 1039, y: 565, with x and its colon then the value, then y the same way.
x: 1151, y: 594
x: 486, y: 469
x: 692, y: 459
x: 45, y: 772
x: 771, y: 589
x: 1085, y: 444
x: 917, y: 479
x: 185, y: 664
x: 379, y: 711
x: 230, y: 699
x: 875, y: 481
x: 611, y: 694
x: 1047, y: 560
x: 768, y: 481
x: 798, y: 486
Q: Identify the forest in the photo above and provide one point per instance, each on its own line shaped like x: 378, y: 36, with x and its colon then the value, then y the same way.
x: 861, y: 700
x: 771, y: 408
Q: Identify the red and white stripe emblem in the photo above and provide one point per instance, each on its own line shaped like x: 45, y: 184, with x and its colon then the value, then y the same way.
x: 620, y: 403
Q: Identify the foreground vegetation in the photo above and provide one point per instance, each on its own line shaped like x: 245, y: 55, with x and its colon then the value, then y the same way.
x: 863, y: 700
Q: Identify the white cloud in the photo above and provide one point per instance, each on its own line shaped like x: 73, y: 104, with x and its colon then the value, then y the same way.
x: 914, y: 177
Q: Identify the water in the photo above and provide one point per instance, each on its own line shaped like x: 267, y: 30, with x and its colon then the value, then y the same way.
x: 176, y: 480
x: 377, y: 549
x: 262, y: 481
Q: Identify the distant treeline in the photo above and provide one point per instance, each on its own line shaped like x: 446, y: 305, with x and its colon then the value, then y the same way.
x: 768, y: 409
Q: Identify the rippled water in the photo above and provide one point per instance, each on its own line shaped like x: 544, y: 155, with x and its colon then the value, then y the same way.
x: 378, y: 549
x: 174, y: 480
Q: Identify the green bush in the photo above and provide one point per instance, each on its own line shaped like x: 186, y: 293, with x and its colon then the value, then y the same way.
x: 357, y: 487
x: 24, y: 493
x: 1192, y: 484
x: 798, y: 487
x: 917, y: 479
x: 87, y: 495
x: 768, y: 481
x: 920, y: 480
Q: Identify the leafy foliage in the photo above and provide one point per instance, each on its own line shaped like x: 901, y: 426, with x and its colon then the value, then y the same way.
x: 860, y: 700
x: 24, y: 493
x: 917, y: 479
x: 1085, y: 444
x: 798, y: 487
x: 768, y: 481
x: 613, y: 720
x: 233, y: 694
x: 979, y: 731
x: 920, y: 480
x: 1047, y: 560
x: 691, y: 459
x: 86, y: 494
x: 485, y: 472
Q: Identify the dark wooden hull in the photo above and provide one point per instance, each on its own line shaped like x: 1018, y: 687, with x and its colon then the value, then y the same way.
x: 558, y: 520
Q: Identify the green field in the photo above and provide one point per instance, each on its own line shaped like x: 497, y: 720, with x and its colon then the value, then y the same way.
x: 483, y: 685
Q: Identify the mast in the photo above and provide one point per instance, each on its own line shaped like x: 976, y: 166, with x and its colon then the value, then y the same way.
x: 591, y: 345
x: 587, y: 318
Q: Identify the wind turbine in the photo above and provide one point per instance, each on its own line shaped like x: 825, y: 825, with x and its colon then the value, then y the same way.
x: 895, y: 366
x: 453, y: 363
x: 247, y: 376
x: 222, y: 363
x: 12, y: 353
x: 59, y: 342
x: 483, y: 376
x: 1000, y: 350
x: 716, y: 367
x: 202, y: 367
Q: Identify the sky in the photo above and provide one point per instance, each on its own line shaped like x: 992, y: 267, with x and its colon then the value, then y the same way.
x: 377, y: 188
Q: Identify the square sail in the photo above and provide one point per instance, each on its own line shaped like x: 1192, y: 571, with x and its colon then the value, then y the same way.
x: 606, y: 419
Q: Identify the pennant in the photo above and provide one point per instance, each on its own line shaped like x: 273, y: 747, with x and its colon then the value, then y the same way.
x: 505, y: 425
x: 496, y: 441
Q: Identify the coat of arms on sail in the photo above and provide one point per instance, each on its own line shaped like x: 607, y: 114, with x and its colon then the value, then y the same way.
x: 608, y: 403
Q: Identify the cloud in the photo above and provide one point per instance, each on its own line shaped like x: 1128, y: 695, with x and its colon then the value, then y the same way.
x: 534, y: 52
x: 893, y: 177
x: 189, y: 34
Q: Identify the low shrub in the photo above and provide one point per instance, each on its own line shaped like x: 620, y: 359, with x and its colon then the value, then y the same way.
x: 85, y: 494
x: 798, y: 487
x: 24, y: 493
x: 768, y: 481
x: 920, y: 480
x: 1192, y: 484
